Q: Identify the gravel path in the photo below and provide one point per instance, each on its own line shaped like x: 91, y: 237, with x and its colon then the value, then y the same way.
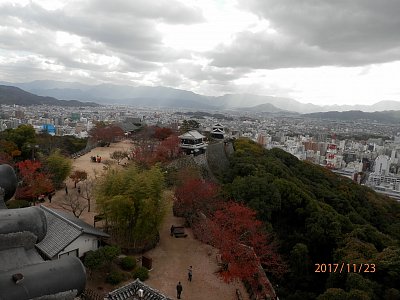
x: 172, y: 258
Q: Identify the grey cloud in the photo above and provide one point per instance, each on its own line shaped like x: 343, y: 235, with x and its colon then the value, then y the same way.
x: 340, y: 25
x: 207, y: 73
x: 25, y: 69
x: 262, y: 51
x: 130, y: 35
x: 314, y: 33
x: 168, y: 11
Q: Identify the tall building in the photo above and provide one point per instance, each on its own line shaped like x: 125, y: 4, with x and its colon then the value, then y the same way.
x: 19, y: 114
x: 382, y: 163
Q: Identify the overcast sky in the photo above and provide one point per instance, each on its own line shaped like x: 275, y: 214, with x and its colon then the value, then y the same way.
x: 321, y: 52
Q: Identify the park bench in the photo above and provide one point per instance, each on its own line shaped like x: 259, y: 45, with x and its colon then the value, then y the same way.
x: 179, y: 232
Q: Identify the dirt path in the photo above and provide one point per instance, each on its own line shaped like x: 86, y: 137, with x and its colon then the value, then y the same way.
x: 172, y: 256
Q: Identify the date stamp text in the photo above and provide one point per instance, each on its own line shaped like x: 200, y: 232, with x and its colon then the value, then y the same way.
x: 345, y: 268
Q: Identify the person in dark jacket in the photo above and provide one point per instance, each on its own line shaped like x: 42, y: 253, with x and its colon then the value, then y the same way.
x: 179, y: 290
x: 190, y: 273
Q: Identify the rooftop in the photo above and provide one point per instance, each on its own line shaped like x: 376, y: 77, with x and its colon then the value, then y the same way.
x: 130, y: 292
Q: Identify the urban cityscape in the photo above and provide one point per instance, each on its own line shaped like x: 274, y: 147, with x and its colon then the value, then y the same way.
x: 367, y: 153
x: 202, y: 150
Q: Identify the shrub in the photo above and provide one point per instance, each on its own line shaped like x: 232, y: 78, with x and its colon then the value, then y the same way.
x: 140, y: 272
x: 93, y: 260
x: 128, y: 263
x: 96, y: 259
x: 115, y: 277
x: 17, y: 204
x: 110, y: 253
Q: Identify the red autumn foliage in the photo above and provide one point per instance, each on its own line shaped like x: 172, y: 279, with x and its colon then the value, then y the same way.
x: 149, y: 152
x: 106, y: 134
x: 34, y: 181
x: 168, y: 149
x: 243, y: 243
x: 194, y: 195
x: 143, y: 152
x: 162, y: 133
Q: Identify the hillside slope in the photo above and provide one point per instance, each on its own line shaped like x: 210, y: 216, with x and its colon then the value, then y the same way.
x: 12, y: 95
x: 320, y: 218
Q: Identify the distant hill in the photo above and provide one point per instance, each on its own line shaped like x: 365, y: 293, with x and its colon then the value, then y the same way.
x: 119, y: 94
x: 203, y: 114
x: 266, y: 107
x: 382, y: 117
x: 159, y: 96
x: 246, y: 100
x: 12, y: 95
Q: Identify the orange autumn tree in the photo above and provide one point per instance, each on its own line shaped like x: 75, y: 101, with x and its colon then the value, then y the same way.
x: 78, y: 176
x: 106, y: 133
x: 195, y: 195
x: 161, y: 133
x: 243, y: 243
x: 149, y: 152
x: 34, y: 181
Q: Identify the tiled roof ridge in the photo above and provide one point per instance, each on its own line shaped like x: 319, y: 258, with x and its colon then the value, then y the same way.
x: 131, y: 288
x: 61, y: 217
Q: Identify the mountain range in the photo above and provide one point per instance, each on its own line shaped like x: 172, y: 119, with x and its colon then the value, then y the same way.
x: 12, y: 95
x: 175, y: 98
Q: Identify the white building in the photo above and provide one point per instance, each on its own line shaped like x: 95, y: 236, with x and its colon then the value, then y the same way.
x: 382, y: 164
x: 381, y: 178
x: 192, y: 142
x: 67, y: 235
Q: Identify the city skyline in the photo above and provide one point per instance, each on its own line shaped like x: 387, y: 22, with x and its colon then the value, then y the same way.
x: 322, y: 53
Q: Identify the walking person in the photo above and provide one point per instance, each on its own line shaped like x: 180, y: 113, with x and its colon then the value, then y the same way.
x: 172, y: 230
x: 79, y: 189
x: 190, y: 273
x: 179, y: 290
x: 66, y: 190
x: 50, y: 196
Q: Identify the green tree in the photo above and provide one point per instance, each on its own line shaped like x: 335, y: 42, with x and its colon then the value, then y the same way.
x: 333, y: 294
x: 257, y: 194
x: 188, y: 125
x: 141, y: 272
x: 110, y: 253
x: 299, y: 259
x: 23, y: 137
x: 133, y: 203
x: 93, y: 260
x: 59, y: 166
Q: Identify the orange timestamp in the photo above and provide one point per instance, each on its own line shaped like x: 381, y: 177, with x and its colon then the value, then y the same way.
x: 345, y: 268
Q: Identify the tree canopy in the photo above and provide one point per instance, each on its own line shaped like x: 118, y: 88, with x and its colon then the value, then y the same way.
x: 133, y: 202
x: 319, y: 217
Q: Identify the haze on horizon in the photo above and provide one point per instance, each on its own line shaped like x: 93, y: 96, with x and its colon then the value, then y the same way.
x: 320, y: 52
